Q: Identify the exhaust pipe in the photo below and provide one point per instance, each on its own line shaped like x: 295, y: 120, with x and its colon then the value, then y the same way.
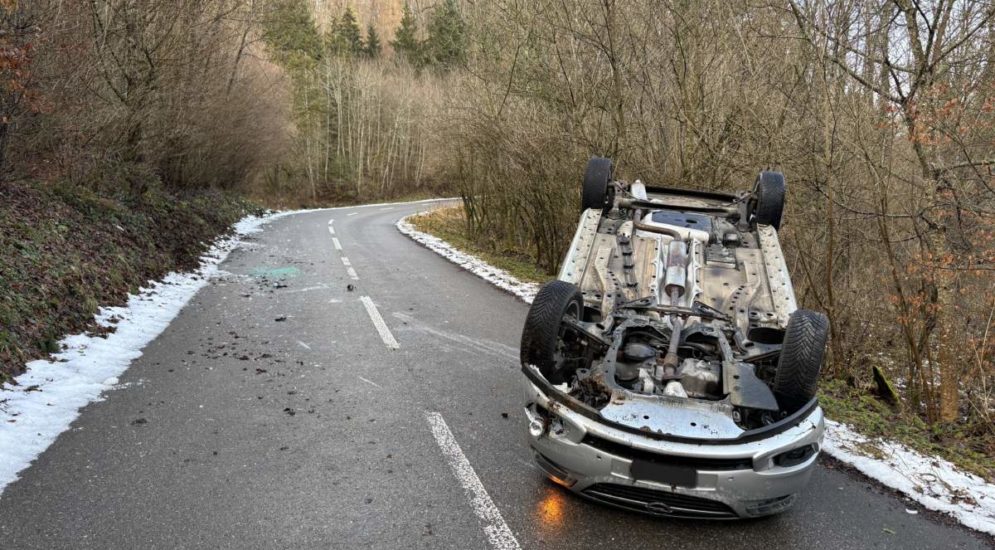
x: 677, y: 270
x: 674, y: 285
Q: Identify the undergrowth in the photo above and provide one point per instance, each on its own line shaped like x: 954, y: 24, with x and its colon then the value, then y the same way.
x: 67, y: 249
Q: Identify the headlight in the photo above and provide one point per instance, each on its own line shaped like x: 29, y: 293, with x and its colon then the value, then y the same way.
x: 538, y: 419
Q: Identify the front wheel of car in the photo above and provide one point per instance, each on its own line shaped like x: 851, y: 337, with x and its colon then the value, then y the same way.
x: 547, y: 342
x: 802, y: 352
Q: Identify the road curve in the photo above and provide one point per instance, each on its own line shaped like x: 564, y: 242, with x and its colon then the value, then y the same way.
x: 283, y: 410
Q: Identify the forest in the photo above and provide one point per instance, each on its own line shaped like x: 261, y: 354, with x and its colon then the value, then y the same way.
x: 879, y: 112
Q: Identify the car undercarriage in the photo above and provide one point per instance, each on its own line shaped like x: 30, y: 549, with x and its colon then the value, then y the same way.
x: 673, y: 319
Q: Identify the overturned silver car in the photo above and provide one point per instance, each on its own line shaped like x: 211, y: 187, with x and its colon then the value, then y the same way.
x: 668, y: 368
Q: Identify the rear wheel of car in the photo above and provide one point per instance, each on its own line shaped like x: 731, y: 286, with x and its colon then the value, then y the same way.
x: 769, y: 199
x: 802, y: 352
x: 598, y: 192
x: 556, y: 349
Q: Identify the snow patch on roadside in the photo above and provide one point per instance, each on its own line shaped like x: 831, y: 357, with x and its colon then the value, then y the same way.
x: 50, y: 394
x: 933, y: 482
x: 498, y: 277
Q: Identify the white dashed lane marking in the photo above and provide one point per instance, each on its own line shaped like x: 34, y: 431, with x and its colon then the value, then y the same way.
x: 352, y: 214
x: 498, y: 533
x: 379, y: 324
x: 338, y: 246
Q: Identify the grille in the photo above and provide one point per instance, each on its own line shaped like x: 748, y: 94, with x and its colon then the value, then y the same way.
x: 626, y: 451
x: 661, y: 503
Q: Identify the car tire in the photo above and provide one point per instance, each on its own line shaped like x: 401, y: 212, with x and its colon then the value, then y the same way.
x: 802, y: 352
x: 769, y: 196
x: 598, y: 192
x: 545, y: 341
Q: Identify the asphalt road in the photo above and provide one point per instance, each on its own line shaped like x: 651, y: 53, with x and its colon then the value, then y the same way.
x: 269, y: 417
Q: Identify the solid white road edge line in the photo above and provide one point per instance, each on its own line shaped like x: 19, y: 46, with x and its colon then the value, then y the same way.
x: 338, y: 245
x: 497, y: 531
x: 379, y: 324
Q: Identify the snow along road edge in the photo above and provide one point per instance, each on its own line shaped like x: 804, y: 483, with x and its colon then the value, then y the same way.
x: 48, y: 397
x: 934, y: 483
x: 497, y: 277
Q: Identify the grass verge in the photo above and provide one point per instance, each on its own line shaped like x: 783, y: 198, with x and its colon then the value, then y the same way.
x: 861, y: 408
x: 67, y: 249
x: 854, y: 405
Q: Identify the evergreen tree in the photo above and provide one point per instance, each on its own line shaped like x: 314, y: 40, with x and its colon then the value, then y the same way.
x: 373, y: 47
x: 292, y: 35
x: 446, y: 44
x: 347, y: 37
x: 405, y: 41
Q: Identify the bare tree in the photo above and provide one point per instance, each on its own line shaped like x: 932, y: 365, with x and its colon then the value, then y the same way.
x: 931, y: 62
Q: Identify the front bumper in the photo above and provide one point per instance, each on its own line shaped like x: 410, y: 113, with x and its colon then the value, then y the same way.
x: 734, y: 480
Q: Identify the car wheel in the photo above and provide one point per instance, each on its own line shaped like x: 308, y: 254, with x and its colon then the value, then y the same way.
x: 769, y: 197
x: 547, y: 343
x: 802, y: 352
x: 598, y: 192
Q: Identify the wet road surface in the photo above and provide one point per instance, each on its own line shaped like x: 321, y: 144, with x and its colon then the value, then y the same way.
x: 282, y: 410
